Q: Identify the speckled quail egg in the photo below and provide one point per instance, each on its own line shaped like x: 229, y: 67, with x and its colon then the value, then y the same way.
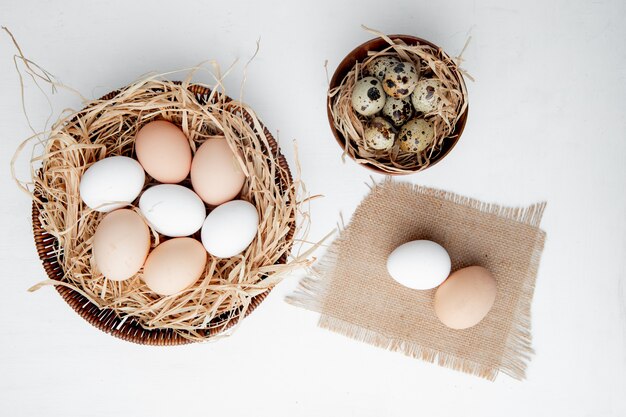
x: 416, y: 135
x: 427, y: 95
x: 401, y: 79
x: 398, y: 110
x: 379, y: 134
x: 378, y: 67
x: 368, y: 97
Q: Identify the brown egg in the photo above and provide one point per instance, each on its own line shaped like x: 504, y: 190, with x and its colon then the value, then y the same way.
x: 121, y: 244
x: 215, y: 172
x: 174, y: 265
x: 466, y: 297
x: 163, y: 150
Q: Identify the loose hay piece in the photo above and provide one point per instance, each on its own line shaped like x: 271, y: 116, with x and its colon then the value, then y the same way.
x: 107, y: 127
x: 434, y: 63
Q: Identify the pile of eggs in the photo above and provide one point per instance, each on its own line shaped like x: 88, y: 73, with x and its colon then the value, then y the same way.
x: 395, y: 100
x: 462, y: 298
x: 121, y: 242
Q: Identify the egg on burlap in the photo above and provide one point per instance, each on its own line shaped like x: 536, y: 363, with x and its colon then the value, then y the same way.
x: 466, y: 297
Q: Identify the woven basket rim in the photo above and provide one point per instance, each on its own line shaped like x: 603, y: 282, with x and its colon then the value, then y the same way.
x: 105, y: 319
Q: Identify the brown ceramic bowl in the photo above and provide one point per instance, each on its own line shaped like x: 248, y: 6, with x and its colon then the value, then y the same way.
x: 359, y: 54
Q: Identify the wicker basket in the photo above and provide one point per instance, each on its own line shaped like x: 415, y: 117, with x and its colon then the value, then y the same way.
x: 106, y: 319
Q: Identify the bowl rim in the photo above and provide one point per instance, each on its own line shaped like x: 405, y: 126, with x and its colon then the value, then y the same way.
x: 377, y: 44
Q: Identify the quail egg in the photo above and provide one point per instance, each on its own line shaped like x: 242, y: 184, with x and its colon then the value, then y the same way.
x: 379, y: 134
x: 378, y: 67
x: 427, y: 95
x: 398, y: 110
x: 368, y: 97
x: 401, y: 79
x: 416, y: 135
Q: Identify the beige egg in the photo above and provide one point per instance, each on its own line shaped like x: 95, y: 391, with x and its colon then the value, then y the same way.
x: 368, y: 97
x: 398, y: 110
x: 427, y: 95
x: 466, y: 297
x: 174, y: 265
x: 400, y: 80
x: 378, y: 67
x: 379, y: 134
x: 216, y: 175
x: 120, y: 244
x: 416, y: 135
x: 163, y: 150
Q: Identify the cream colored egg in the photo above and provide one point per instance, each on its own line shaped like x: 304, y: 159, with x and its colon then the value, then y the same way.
x: 216, y: 175
x: 400, y: 80
x: 416, y: 135
x: 174, y: 265
x: 368, y: 97
x: 466, y: 297
x: 427, y: 95
x: 379, y: 134
x: 120, y: 244
x: 378, y: 67
x: 398, y: 110
x: 164, y: 152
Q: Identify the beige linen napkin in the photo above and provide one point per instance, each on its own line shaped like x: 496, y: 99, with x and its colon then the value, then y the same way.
x: 356, y: 297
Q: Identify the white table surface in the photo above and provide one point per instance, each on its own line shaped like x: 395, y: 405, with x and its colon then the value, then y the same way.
x: 546, y: 122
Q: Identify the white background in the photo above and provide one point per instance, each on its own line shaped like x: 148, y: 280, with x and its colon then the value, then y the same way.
x: 546, y: 122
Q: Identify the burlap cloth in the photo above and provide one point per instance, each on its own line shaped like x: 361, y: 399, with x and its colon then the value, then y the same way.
x: 356, y: 297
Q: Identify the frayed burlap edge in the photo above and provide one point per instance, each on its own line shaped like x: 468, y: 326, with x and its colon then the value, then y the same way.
x: 313, y: 289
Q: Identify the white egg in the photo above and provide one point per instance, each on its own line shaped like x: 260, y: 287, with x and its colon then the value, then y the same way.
x: 427, y: 95
x: 172, y: 210
x: 419, y: 264
x: 111, y: 183
x: 230, y: 228
x: 379, y: 134
x: 368, y: 97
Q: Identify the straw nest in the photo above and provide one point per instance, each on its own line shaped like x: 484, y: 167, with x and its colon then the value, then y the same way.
x: 108, y: 127
x: 434, y: 63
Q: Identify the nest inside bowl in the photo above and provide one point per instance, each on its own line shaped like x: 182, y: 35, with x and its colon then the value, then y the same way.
x: 434, y: 63
x: 107, y: 127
